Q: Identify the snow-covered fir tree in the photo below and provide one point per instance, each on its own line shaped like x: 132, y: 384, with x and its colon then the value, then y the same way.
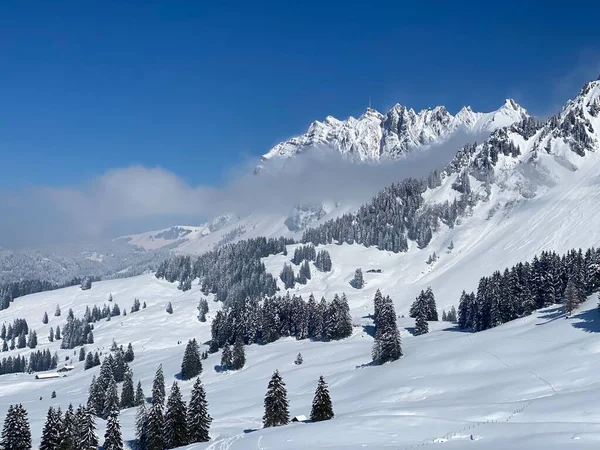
x: 57, y: 311
x: 158, y: 387
x: 238, y: 359
x: 421, y: 325
x: 176, y: 431
x: 287, y: 276
x: 202, y: 309
x: 44, y: 319
x: 156, y: 427
x: 88, y: 439
x: 112, y: 437
x: 387, y: 345
x: 299, y: 360
x: 226, y: 358
x: 358, y: 280
x: 198, y: 418
x: 323, y: 261
x: 127, y: 393
x: 322, y: 407
x: 276, y: 403
x: 51, y: 433
x: 141, y: 427
x: 140, y: 398
x: 169, y: 308
x: 16, y: 433
x: 191, y: 366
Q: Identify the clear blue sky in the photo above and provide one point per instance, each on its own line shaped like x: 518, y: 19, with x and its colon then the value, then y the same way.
x: 198, y: 87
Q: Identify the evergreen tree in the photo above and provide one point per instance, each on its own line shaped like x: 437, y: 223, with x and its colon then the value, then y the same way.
x: 158, y: 388
x: 51, y: 434
x: 57, y: 333
x: 421, y: 325
x: 16, y: 433
x: 176, y: 431
x: 141, y: 426
x: 287, y: 276
x: 322, y: 408
x: 88, y: 439
x: 57, y: 311
x: 191, y: 366
x: 89, y: 361
x: 155, y: 427
x: 169, y: 308
x: 45, y: 318
x: 571, y: 297
x: 202, y: 309
x: 387, y: 345
x: 3, y: 332
x: 96, y: 359
x: 198, y: 419
x: 51, y: 335
x: 112, y: 437
x: 127, y: 394
x: 140, y: 398
x: 69, y: 430
x: 22, y: 342
x: 239, y: 354
x: 226, y: 358
x: 432, y: 314
x: 111, y: 399
x: 276, y: 403
x: 82, y: 354
x: 129, y: 355
x: 299, y: 359
x: 358, y: 280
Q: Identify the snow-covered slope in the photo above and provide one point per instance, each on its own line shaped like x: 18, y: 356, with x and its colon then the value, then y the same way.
x: 375, y: 136
x: 529, y: 384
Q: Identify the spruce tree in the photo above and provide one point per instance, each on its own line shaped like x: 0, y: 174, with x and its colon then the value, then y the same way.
x: 358, y: 280
x: 276, y: 403
x: 127, y: 394
x: 155, y: 427
x: 421, y: 325
x: 69, y: 430
x: 57, y: 333
x: 140, y: 398
x: 191, y: 366
x: 158, y: 388
x: 89, y: 361
x: 226, y: 357
x: 571, y: 297
x: 88, y: 439
x: 387, y: 345
x: 322, y: 408
x: 112, y: 438
x: 16, y: 433
x: 176, y: 431
x: 129, y: 354
x: 45, y: 318
x: 299, y: 359
x: 198, y: 419
x: 169, y: 308
x: 57, y: 311
x: 51, y: 335
x: 141, y: 427
x: 111, y: 399
x: 51, y: 434
x: 239, y: 354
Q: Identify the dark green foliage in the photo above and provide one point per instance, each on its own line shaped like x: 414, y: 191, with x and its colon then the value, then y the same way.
x: 287, y: 276
x: 304, y: 253
x: 276, y: 403
x: 16, y: 433
x: 176, y: 431
x: 358, y: 280
x: 226, y: 357
x: 239, y: 355
x: 88, y: 439
x: 528, y: 286
x: 45, y: 318
x: 129, y: 354
x: 51, y: 434
x: 139, y: 398
x: 155, y: 427
x: 127, y: 394
x: 112, y: 438
x: 387, y: 345
x: 69, y: 430
x: 322, y: 408
x: 198, y: 419
x: 425, y: 304
x: 191, y: 366
x: 323, y: 262
x: 141, y: 427
x: 202, y: 310
x: 233, y: 272
x: 421, y: 325
x: 158, y: 387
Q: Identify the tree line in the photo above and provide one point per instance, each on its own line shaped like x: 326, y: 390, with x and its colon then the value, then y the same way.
x: 525, y: 287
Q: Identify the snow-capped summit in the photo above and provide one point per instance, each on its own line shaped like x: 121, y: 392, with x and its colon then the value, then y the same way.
x: 375, y: 136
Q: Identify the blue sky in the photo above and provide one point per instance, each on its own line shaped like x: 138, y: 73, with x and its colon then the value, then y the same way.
x: 200, y: 87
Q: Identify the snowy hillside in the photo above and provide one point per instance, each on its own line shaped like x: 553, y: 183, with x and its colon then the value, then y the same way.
x: 527, y: 384
x: 375, y: 136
